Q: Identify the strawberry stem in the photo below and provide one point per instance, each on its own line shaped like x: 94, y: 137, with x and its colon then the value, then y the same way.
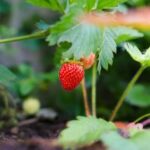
x: 36, y: 35
x: 85, y: 98
x: 126, y: 92
x: 142, y: 117
x: 94, y: 90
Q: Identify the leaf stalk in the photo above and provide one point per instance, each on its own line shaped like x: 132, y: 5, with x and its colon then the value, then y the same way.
x: 36, y: 35
x: 85, y: 98
x: 142, y: 117
x: 126, y: 92
x: 94, y: 90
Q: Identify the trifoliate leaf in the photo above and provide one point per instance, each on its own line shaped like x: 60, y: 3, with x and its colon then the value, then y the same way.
x: 85, y: 38
x: 6, y: 75
x: 139, y: 96
x: 84, y: 131
x: 137, y: 55
x: 114, y: 141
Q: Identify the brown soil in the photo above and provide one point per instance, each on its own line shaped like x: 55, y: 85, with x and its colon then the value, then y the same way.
x: 36, y: 136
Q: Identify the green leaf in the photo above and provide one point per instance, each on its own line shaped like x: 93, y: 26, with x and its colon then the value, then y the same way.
x: 84, y: 131
x: 141, y: 139
x: 66, y: 22
x: 87, y: 5
x: 96, y: 4
x: 122, y: 34
x: 137, y: 55
x: 110, y: 38
x: 139, y: 96
x: 113, y: 141
x: 147, y: 57
x: 91, y: 5
x: 52, y: 76
x: 108, y: 46
x: 26, y: 86
x: 84, y: 38
x: 58, y: 5
x: 6, y: 75
x: 105, y: 4
x: 134, y: 52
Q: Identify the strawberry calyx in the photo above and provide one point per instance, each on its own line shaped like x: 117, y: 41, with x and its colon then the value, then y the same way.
x: 72, y: 62
x: 89, y: 61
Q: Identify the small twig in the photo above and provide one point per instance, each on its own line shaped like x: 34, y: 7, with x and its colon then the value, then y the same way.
x: 36, y: 35
x: 85, y: 98
x: 126, y: 92
x: 43, y: 142
x: 24, y: 123
x: 94, y: 90
x: 27, y: 122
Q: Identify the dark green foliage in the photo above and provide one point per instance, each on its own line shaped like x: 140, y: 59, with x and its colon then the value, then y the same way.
x: 6, y: 76
x: 139, y: 96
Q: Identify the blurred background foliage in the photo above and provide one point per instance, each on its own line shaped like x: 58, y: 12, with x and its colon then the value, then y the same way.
x: 36, y: 67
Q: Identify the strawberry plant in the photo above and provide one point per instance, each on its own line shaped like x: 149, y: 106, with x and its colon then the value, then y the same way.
x: 87, y: 43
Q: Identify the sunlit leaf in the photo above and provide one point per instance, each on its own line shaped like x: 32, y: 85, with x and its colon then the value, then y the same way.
x: 113, y: 141
x: 84, y: 131
x: 135, y: 53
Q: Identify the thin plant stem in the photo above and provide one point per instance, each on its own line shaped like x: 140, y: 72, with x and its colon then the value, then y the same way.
x: 126, y: 92
x: 94, y: 90
x: 6, y: 102
x: 35, y: 35
x: 142, y: 117
x: 5, y: 98
x: 85, y: 98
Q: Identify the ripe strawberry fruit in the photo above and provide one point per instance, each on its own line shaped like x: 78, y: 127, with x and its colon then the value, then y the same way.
x: 88, y: 61
x: 70, y: 75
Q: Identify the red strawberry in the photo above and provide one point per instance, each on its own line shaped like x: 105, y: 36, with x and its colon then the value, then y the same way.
x: 70, y: 75
x: 88, y: 61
